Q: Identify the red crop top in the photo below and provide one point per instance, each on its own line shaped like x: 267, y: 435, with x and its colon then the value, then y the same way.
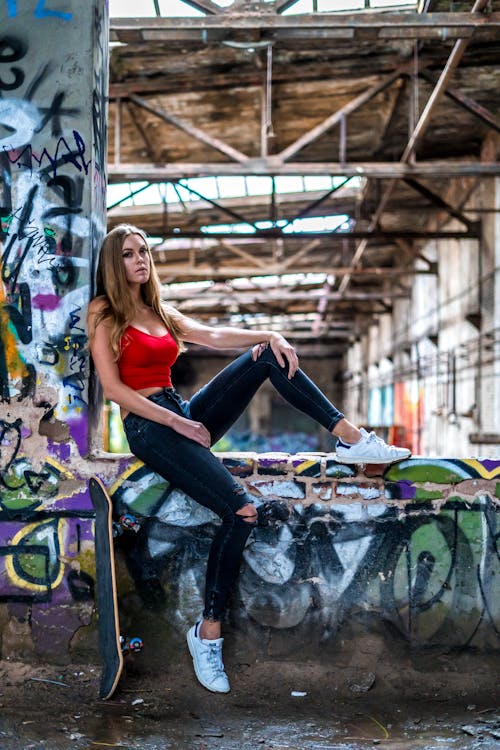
x: 145, y: 360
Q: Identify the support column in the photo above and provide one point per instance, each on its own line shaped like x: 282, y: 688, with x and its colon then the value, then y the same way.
x: 53, y: 93
x: 53, y: 88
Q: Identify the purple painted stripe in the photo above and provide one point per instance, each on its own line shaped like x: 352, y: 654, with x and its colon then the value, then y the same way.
x: 46, y: 302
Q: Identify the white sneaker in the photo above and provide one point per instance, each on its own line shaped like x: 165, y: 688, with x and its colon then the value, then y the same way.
x: 370, y: 450
x: 207, y: 661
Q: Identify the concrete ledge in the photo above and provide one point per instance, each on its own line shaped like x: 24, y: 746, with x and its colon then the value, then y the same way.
x: 410, y: 550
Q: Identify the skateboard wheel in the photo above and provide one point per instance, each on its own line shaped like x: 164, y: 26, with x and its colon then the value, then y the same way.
x: 131, y: 645
x: 136, y: 645
x: 128, y: 523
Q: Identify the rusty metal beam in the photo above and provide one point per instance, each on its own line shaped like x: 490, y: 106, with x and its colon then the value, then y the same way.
x: 205, y: 6
x: 406, y: 24
x: 380, y: 234
x: 440, y: 88
x: 336, y: 117
x: 440, y: 203
x: 417, y: 134
x: 222, y: 272
x: 235, y: 215
x: 265, y: 297
x: 186, y: 127
x: 140, y: 129
x: 270, y: 167
x: 469, y: 104
x: 238, y: 251
x: 118, y: 130
x: 281, y: 5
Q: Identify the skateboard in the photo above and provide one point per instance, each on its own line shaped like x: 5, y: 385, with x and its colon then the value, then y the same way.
x: 111, y: 644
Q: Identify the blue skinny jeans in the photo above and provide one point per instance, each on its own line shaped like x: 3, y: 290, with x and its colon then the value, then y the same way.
x: 197, y: 472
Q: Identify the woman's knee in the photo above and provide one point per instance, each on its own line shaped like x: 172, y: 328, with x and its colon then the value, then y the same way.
x: 268, y: 357
x: 248, y: 513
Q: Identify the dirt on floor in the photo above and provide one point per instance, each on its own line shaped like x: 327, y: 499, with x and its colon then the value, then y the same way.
x: 361, y: 699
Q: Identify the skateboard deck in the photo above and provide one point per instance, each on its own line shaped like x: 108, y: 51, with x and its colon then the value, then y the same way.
x: 107, y: 602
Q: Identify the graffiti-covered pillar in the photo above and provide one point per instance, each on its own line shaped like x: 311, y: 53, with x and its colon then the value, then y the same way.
x: 53, y: 92
x: 53, y: 89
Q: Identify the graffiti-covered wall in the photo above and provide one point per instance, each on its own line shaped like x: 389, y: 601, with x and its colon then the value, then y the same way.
x: 414, y: 547
x: 53, y: 88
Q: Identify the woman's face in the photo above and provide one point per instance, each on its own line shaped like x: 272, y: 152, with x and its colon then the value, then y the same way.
x: 136, y: 259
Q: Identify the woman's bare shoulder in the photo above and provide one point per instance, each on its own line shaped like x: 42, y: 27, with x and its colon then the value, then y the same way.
x: 97, y: 305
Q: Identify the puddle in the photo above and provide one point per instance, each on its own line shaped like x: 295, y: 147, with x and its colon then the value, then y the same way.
x: 121, y: 727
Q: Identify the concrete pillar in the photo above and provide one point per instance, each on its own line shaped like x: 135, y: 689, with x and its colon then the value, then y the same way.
x: 53, y: 89
x: 53, y: 93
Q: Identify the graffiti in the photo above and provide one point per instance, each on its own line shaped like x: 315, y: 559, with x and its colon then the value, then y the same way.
x: 40, y: 11
x: 20, y: 120
x: 10, y: 440
x: 37, y: 564
x: 12, y: 50
x: 54, y: 113
x: 63, y: 153
x: 431, y: 573
x: 40, y: 570
x: 43, y: 233
x: 51, y: 226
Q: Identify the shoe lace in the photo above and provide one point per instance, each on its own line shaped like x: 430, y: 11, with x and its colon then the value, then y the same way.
x: 373, y: 438
x: 214, y: 658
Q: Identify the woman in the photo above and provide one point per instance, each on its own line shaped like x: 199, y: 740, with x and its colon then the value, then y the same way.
x: 134, y: 341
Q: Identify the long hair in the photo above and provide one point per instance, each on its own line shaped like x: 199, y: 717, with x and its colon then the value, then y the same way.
x: 112, y: 285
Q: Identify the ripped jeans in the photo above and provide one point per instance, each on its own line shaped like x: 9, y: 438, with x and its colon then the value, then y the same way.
x: 197, y: 472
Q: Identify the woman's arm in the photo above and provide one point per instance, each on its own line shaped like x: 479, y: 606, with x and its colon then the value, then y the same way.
x: 226, y: 337
x: 129, y: 400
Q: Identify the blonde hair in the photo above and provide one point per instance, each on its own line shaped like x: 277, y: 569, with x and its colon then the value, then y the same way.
x: 119, y: 306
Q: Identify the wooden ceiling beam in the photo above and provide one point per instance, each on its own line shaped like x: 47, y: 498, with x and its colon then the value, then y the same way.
x: 246, y: 75
x: 272, y: 167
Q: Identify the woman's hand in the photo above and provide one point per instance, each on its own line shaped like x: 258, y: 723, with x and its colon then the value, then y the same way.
x: 195, y: 431
x: 282, y: 350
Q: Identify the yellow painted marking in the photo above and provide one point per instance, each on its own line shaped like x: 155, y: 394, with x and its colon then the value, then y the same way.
x: 482, y: 470
x: 17, y: 539
x: 126, y: 474
x: 304, y: 465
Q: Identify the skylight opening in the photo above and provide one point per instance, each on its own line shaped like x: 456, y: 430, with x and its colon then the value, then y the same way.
x: 307, y: 224
x: 342, y: 6
x: 215, y: 188
x: 180, y: 9
x: 146, y: 9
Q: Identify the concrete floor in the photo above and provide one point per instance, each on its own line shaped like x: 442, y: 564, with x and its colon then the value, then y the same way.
x: 125, y: 725
x: 49, y: 709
